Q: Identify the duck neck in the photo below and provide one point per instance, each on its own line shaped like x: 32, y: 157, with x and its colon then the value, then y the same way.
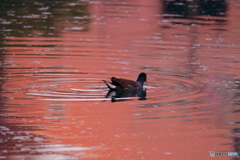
x: 140, y: 82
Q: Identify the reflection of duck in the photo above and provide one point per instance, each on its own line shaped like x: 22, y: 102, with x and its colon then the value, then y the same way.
x: 127, y: 88
x: 121, y: 93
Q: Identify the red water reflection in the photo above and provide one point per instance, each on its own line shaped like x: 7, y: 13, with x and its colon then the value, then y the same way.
x: 189, y: 109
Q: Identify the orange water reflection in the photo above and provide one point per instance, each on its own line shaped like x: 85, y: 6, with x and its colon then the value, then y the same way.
x: 53, y: 97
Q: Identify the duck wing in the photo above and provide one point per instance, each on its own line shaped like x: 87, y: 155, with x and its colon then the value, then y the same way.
x: 124, y: 83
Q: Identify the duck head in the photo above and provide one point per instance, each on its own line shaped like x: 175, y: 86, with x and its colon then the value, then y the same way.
x: 142, y: 77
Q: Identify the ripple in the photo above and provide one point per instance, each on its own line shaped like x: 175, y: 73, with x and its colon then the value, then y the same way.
x: 90, y: 90
x: 181, y: 97
x: 174, y: 88
x: 59, y: 96
x: 165, y: 89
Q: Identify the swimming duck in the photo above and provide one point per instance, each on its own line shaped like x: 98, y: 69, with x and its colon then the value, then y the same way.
x: 120, y: 83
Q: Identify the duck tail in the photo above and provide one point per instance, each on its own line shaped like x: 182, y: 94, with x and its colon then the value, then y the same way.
x: 110, y: 85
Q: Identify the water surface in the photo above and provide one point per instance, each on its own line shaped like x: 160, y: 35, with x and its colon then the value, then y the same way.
x: 55, y: 54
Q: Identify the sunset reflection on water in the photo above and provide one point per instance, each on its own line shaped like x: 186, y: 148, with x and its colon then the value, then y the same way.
x: 54, y: 104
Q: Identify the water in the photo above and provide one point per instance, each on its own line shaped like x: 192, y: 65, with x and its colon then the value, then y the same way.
x: 55, y: 54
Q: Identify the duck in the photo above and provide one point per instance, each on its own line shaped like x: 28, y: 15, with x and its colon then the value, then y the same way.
x: 126, y: 84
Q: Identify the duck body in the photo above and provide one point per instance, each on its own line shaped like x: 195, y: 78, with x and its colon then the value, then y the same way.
x: 125, y: 84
